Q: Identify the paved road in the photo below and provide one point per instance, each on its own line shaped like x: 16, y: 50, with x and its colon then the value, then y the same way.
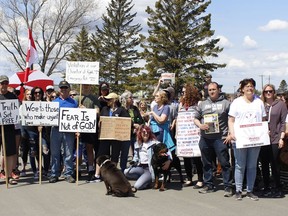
x: 62, y: 198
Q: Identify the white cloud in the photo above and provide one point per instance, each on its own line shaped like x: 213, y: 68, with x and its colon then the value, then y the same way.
x: 248, y: 42
x: 235, y: 63
x: 274, y: 25
x: 278, y: 57
x: 224, y: 42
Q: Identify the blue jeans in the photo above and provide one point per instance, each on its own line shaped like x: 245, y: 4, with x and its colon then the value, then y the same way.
x: 245, y: 158
x: 208, y: 148
x: 142, y: 175
x: 67, y: 139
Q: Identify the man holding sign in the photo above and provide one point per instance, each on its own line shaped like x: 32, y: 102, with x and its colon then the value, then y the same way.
x: 66, y: 138
x: 9, y: 131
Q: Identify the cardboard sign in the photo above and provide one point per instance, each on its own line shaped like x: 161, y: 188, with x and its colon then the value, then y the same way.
x: 252, y: 135
x: 9, y: 112
x: 77, y: 120
x: 39, y: 113
x: 187, y: 135
x: 115, y: 128
x: 168, y: 78
x: 81, y: 72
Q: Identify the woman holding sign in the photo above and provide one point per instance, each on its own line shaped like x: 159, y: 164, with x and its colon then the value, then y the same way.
x: 245, y: 110
x: 189, y: 103
x: 276, y: 111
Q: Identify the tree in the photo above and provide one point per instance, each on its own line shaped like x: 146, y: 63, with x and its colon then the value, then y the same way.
x: 81, y: 48
x: 283, y: 87
x: 54, y: 23
x: 180, y: 41
x: 115, y: 45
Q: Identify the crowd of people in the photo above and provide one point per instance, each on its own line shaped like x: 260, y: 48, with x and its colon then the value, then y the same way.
x: 219, y: 143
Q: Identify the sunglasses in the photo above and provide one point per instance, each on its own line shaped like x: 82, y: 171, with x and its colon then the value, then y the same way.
x: 269, y: 91
x: 64, y: 87
x: 38, y: 92
x: 73, y: 94
x: 4, y: 83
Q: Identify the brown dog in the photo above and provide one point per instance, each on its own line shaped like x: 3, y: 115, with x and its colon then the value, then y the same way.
x: 115, y: 181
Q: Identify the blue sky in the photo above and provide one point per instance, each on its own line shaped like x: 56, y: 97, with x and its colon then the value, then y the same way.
x: 254, y: 34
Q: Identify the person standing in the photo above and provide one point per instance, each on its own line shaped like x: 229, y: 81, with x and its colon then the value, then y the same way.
x: 90, y: 140
x: 9, y: 132
x: 65, y: 138
x: 276, y: 112
x: 212, y: 119
x: 245, y: 109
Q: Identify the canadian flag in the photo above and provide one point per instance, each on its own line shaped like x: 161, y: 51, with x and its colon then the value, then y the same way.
x: 32, y: 56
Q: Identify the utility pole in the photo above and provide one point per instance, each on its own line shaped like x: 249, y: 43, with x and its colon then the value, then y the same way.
x: 262, y: 80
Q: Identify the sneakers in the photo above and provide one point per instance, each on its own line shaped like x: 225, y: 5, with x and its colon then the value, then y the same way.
x: 238, y: 195
x: 70, y: 179
x: 36, y: 176
x: 53, y: 179
x: 251, y: 196
x: 2, y: 175
x: 206, y: 189
x: 14, y: 176
x: 12, y: 181
x: 94, y: 179
x: 228, y: 192
x: 23, y: 174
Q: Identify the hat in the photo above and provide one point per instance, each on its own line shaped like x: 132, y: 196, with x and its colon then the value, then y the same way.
x: 49, y: 87
x: 4, y: 78
x: 208, y: 76
x: 104, y: 87
x: 64, y: 84
x: 111, y: 96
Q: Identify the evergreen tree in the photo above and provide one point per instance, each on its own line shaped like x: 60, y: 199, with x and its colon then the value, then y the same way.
x: 283, y: 87
x: 81, y: 49
x: 115, y: 45
x: 180, y: 41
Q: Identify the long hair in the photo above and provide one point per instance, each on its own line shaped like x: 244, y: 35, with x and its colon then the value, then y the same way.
x: 41, y: 92
x: 123, y: 98
x: 192, y: 96
x: 148, y: 130
x: 262, y: 94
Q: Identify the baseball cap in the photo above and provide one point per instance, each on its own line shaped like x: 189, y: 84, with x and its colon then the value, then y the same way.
x: 64, y: 84
x: 208, y: 76
x: 104, y: 87
x: 111, y: 96
x: 49, y: 87
x: 4, y: 78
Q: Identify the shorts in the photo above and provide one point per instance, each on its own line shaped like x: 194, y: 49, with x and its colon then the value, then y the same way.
x: 10, y: 140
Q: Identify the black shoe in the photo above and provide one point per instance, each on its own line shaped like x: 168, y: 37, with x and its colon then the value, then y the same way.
x: 228, y: 192
x: 94, y: 179
x: 70, y: 179
x: 251, y: 196
x: 188, y: 184
x: 53, y: 179
x: 238, y: 195
x: 206, y: 189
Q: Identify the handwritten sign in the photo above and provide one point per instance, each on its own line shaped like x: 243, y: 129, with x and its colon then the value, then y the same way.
x: 39, y: 113
x: 115, y: 128
x: 77, y: 120
x: 168, y: 77
x: 81, y: 72
x: 252, y: 135
x: 9, y: 112
x: 188, y: 135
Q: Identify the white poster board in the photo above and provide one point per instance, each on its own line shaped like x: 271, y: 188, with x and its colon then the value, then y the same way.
x: 168, y: 77
x: 252, y: 135
x: 77, y: 120
x: 82, y: 72
x: 187, y: 135
x: 9, y: 112
x: 39, y: 113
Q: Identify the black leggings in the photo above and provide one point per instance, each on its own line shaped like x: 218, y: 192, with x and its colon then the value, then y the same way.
x: 188, y: 165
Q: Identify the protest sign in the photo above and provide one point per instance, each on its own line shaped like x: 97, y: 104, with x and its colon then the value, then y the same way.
x: 188, y: 135
x: 39, y: 113
x: 77, y: 120
x: 252, y: 135
x: 168, y: 78
x: 82, y: 72
x: 9, y: 112
x: 115, y: 128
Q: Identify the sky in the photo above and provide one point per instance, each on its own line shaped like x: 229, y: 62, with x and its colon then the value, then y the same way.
x: 254, y: 36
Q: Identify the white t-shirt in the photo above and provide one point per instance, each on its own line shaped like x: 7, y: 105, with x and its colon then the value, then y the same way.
x: 246, y: 113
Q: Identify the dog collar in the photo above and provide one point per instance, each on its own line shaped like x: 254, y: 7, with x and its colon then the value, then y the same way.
x: 104, y: 162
